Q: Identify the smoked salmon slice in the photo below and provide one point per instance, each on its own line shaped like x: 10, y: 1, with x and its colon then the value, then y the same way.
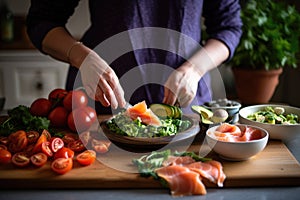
x: 184, y: 175
x: 141, y: 111
x: 229, y: 128
x: 178, y: 160
x: 232, y: 133
x: 182, y: 181
x: 211, y: 170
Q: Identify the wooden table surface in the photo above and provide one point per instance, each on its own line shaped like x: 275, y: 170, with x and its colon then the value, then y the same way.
x: 274, y: 166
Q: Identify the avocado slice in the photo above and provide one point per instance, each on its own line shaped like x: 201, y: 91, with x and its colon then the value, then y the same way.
x: 166, y: 111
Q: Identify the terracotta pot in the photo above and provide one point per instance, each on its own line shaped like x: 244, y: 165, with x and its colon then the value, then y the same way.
x: 255, y: 86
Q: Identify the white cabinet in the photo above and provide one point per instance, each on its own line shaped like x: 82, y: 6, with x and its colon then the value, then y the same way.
x: 27, y: 75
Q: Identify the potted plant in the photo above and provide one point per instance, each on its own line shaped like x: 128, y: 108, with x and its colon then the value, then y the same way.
x: 270, y: 41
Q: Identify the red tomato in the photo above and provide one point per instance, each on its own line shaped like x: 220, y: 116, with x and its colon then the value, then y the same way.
x: 39, y: 159
x: 17, y: 141
x: 38, y: 145
x: 20, y: 159
x: 64, y: 152
x: 81, y: 119
x: 29, y: 149
x: 57, y: 95
x: 4, y: 140
x: 69, y: 137
x: 101, y: 146
x: 58, y: 117
x: 87, y: 157
x: 40, y: 107
x: 62, y: 165
x: 76, y: 146
x: 56, y: 143
x: 46, y: 149
x: 32, y: 136
x: 47, y: 134
x: 85, y: 137
x: 75, y: 99
x: 2, y: 146
x: 5, y: 156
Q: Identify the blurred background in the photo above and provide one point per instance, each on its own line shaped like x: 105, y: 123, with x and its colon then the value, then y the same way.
x: 26, y: 74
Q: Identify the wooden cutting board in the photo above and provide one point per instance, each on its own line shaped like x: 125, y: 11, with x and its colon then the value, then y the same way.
x: 274, y: 166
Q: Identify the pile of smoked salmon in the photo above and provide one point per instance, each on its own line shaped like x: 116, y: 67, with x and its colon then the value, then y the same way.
x: 183, y: 172
x: 184, y: 175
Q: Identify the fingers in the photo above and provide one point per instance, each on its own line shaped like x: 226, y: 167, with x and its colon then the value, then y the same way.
x: 179, y: 89
x: 169, y: 97
x: 183, y: 98
x: 107, y: 90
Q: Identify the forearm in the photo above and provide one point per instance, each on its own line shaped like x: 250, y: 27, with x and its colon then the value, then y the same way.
x: 59, y: 44
x: 210, y: 56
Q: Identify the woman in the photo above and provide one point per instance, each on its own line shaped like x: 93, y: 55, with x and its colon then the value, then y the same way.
x: 132, y: 22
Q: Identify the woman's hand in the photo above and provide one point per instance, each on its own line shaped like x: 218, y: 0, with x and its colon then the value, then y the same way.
x: 101, y: 82
x: 182, y: 85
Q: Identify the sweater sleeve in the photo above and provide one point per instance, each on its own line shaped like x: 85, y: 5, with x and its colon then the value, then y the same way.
x: 223, y: 22
x: 44, y: 15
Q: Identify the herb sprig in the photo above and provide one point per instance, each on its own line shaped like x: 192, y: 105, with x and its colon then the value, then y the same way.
x: 19, y: 118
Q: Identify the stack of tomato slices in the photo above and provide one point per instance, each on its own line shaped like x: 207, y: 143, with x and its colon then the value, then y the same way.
x: 23, y: 149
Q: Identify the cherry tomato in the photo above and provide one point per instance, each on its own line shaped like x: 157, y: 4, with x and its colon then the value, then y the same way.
x: 39, y: 159
x: 85, y: 137
x: 101, y: 146
x: 57, y: 95
x: 76, y: 146
x: 58, y: 117
x: 47, y: 134
x: 29, y: 149
x: 20, y: 159
x: 62, y: 165
x: 5, y: 156
x: 69, y: 137
x: 56, y: 143
x: 40, y: 107
x: 46, y: 149
x: 75, y: 99
x: 64, y: 152
x: 87, y: 157
x: 4, y: 140
x: 32, y: 136
x: 81, y: 119
x: 17, y: 141
x: 38, y: 145
x: 2, y: 146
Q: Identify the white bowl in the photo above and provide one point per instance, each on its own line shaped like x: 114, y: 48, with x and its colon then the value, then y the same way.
x: 237, y: 151
x: 276, y: 131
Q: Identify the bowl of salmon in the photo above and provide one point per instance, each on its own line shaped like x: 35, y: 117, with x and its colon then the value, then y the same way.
x: 281, y: 121
x: 236, y: 142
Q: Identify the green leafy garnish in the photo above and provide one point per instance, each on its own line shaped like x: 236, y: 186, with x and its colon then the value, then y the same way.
x: 147, y: 164
x: 124, y: 125
x: 19, y: 118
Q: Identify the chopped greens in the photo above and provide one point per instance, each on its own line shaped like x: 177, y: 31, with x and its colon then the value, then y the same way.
x: 19, y: 118
x: 124, y: 125
x: 274, y: 115
x: 147, y: 164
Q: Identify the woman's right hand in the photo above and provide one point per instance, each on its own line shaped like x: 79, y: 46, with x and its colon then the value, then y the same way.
x: 101, y: 82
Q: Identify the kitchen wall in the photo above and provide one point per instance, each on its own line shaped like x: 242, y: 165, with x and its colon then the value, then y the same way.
x: 77, y: 24
x: 287, y: 91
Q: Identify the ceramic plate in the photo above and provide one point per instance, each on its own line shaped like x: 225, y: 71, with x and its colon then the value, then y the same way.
x: 151, y: 143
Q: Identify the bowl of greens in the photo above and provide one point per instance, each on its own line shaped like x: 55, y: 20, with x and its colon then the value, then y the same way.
x: 133, y: 134
x: 281, y: 121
